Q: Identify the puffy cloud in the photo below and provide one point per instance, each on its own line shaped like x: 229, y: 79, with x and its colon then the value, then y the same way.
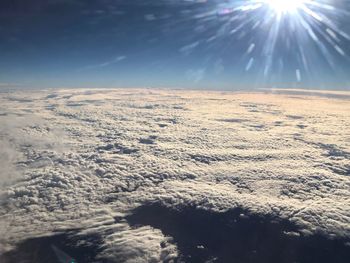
x: 9, y: 156
x: 88, y: 158
x: 142, y: 244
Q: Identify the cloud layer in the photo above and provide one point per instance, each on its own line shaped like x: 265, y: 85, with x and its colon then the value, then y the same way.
x: 86, y: 159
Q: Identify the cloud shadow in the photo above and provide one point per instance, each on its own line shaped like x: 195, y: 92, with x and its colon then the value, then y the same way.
x: 59, y: 248
x: 236, y: 236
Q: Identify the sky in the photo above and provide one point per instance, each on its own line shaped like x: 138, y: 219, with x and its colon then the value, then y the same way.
x: 211, y: 44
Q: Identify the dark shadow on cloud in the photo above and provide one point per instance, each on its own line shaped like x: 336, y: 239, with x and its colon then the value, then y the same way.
x: 334, y: 151
x: 237, y: 236
x: 59, y: 248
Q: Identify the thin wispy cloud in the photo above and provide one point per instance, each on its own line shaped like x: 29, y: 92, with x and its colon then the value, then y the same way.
x: 9, y: 85
x: 104, y: 64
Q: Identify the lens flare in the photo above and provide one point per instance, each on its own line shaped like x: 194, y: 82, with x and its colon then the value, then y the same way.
x: 283, y: 6
x: 300, y: 39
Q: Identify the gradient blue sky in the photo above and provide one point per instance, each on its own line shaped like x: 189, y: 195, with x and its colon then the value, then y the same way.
x: 168, y: 43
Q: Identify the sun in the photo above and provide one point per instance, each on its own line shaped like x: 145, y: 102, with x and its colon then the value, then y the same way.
x: 285, y: 6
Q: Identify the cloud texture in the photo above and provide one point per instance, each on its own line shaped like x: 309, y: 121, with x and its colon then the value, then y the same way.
x: 86, y: 159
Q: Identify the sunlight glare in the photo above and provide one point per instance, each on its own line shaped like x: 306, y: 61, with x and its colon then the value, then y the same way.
x: 284, y: 6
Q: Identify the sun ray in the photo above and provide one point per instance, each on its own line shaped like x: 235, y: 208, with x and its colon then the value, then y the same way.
x: 282, y: 6
x: 312, y: 26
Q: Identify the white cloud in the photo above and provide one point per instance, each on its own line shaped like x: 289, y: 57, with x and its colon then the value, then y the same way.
x: 9, y: 85
x: 195, y: 75
x: 270, y: 154
x: 104, y: 64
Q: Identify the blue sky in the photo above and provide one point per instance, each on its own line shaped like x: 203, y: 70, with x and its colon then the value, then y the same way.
x: 173, y: 43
